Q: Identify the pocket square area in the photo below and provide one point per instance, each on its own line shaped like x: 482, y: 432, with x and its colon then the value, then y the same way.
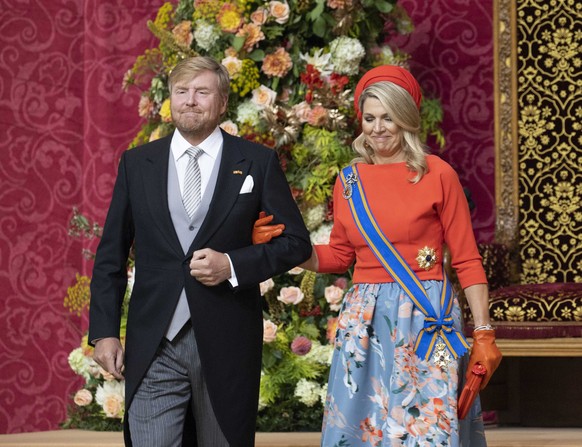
x: 247, y: 186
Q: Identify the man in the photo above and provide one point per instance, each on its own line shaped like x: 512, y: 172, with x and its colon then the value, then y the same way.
x: 194, y: 330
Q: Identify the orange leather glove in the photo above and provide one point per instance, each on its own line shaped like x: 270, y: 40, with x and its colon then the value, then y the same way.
x: 263, y: 232
x: 485, y: 352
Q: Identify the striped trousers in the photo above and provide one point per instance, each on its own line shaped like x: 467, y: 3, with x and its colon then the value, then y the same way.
x: 174, y: 380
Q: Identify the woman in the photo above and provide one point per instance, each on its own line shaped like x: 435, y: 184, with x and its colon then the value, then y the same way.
x: 395, y: 370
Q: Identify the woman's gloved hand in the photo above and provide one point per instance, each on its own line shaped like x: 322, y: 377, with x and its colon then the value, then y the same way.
x: 485, y: 352
x: 263, y: 232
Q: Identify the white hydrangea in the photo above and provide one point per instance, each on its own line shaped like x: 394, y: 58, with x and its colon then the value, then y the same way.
x: 314, y: 216
x: 320, y: 60
x: 308, y: 392
x: 323, y: 394
x: 206, y: 35
x: 346, y: 54
x: 320, y: 353
x: 80, y: 363
x: 248, y: 113
x: 321, y: 235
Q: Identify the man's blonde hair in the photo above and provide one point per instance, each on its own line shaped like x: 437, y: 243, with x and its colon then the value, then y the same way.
x: 192, y: 66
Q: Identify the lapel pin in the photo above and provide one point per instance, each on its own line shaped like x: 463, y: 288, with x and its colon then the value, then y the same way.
x: 237, y: 172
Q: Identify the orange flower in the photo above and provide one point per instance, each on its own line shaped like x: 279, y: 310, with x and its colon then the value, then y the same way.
x: 252, y: 34
x: 277, y: 64
x: 318, y: 117
x: 183, y: 33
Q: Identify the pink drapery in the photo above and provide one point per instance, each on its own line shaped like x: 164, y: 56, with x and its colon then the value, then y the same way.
x: 65, y: 120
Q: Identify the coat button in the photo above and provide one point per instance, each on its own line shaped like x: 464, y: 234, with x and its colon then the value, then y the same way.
x: 191, y: 227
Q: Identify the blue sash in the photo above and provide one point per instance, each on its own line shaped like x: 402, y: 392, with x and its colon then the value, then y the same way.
x: 435, y: 326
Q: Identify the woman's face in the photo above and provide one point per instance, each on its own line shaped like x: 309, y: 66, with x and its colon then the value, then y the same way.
x: 381, y: 133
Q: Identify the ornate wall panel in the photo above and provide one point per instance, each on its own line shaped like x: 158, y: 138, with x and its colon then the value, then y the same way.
x: 452, y: 56
x: 539, y: 137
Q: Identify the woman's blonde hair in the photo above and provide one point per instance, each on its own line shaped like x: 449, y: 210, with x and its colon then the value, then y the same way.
x: 403, y: 112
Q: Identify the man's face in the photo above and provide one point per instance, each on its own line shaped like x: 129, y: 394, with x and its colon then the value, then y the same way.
x: 197, y: 106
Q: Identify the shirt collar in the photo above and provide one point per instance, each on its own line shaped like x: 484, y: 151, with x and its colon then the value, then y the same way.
x: 211, y: 145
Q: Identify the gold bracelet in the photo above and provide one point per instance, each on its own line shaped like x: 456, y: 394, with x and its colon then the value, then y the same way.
x: 483, y: 327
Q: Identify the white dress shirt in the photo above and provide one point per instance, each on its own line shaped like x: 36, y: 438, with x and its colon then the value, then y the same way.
x: 211, y: 148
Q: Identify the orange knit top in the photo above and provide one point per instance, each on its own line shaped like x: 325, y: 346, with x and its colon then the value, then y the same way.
x: 429, y: 213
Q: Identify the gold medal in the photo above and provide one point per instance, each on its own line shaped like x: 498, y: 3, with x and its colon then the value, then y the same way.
x: 426, y: 258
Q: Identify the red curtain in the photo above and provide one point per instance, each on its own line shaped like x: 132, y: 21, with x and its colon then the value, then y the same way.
x: 452, y: 57
x: 65, y: 121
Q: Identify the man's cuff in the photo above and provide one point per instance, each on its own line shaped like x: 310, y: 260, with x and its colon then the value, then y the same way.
x: 233, y: 279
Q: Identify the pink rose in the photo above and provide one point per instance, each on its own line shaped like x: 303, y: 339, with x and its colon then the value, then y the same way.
x: 230, y: 127
x: 269, y: 331
x: 334, y: 295
x: 233, y: 65
x: 280, y: 11
x: 259, y: 17
x: 302, y: 111
x: 263, y: 96
x: 266, y: 286
x: 113, y: 406
x: 290, y: 295
x: 83, y: 398
x: 301, y: 345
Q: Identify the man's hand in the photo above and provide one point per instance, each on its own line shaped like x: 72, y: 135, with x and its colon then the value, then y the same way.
x: 109, y: 355
x: 263, y: 232
x: 210, y: 267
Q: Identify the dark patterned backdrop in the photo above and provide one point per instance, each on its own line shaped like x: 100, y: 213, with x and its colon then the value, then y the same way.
x: 65, y: 121
x: 550, y: 141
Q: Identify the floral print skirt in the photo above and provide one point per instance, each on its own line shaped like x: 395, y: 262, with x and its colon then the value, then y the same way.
x: 380, y: 393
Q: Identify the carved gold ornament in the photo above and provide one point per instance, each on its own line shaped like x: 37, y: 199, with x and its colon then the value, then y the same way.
x: 426, y: 258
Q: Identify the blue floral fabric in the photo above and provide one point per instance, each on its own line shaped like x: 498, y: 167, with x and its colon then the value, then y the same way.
x: 380, y: 392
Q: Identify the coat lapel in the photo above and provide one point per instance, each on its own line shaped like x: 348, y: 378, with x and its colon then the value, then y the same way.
x: 155, y: 180
x: 234, y: 168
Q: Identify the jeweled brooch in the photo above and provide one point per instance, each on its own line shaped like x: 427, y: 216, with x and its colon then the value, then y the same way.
x: 441, y: 355
x: 350, y: 180
x: 426, y: 258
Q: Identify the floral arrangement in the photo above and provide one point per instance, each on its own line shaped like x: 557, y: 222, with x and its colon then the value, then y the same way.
x: 293, y: 66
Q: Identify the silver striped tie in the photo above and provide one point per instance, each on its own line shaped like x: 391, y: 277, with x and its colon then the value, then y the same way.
x: 191, y: 196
